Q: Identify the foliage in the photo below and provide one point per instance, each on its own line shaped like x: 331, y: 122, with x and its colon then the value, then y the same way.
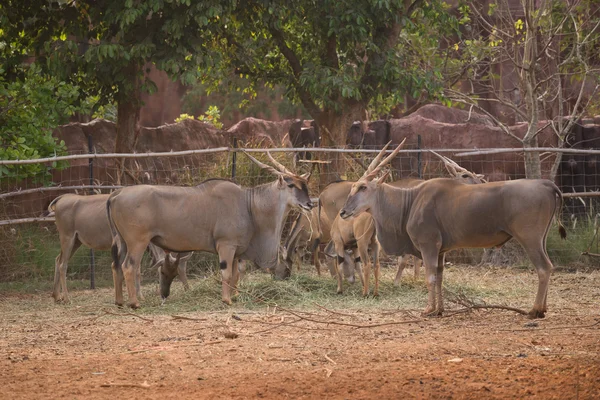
x: 30, y: 109
x: 183, y: 117
x: 212, y: 116
x: 97, y: 109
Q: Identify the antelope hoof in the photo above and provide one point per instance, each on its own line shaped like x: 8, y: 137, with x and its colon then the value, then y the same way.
x: 227, y: 301
x: 134, y: 306
x: 430, y: 312
x: 119, y: 304
x: 534, y: 314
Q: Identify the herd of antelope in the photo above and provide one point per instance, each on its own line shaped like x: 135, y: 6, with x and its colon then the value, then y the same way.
x: 423, y: 218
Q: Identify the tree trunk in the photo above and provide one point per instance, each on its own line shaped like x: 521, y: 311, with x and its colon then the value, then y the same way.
x: 128, y: 113
x: 557, y: 161
x: 529, y: 82
x: 533, y: 168
x: 335, y: 126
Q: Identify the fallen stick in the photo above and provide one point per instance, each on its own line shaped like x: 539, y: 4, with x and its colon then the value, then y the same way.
x: 188, y: 318
x: 143, y: 385
x: 128, y: 314
x: 275, y: 326
x: 551, y: 328
x: 469, y: 304
x: 172, y: 347
x: 413, y: 321
x: 497, y: 307
x: 329, y: 359
x: 333, y: 312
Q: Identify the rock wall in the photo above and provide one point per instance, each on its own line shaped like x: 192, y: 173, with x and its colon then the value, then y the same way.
x: 441, y: 135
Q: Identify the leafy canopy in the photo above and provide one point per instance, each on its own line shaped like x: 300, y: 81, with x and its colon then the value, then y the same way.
x: 327, y: 53
x: 30, y: 109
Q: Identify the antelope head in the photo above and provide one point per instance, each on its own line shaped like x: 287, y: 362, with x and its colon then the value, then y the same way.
x: 294, y: 187
x: 362, y: 193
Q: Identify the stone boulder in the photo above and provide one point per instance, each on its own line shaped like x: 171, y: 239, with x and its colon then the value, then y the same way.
x: 261, y: 133
x: 440, y: 113
x: 189, y: 134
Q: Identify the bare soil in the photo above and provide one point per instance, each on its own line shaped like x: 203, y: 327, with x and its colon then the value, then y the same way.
x: 90, y: 349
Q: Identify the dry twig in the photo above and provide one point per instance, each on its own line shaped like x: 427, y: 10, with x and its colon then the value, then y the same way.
x: 329, y: 359
x: 551, y: 328
x: 181, y: 317
x: 173, y: 347
x: 413, y: 321
x: 143, y: 385
x: 469, y: 304
x: 128, y: 314
x: 332, y: 311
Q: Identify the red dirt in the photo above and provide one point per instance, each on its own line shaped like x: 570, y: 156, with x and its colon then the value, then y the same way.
x: 82, y: 352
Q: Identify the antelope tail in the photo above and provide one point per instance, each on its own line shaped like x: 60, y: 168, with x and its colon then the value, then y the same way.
x: 51, y: 208
x: 319, y: 230
x: 117, y: 240
x: 561, y: 228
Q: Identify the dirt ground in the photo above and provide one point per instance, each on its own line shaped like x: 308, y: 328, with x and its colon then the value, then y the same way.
x: 90, y: 349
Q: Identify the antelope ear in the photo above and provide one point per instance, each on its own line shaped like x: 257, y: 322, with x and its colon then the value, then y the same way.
x: 280, y: 181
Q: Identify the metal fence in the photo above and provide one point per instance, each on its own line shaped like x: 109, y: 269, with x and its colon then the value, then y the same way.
x: 29, y: 242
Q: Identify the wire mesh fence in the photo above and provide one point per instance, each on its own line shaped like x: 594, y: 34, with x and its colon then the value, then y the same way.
x: 29, y: 249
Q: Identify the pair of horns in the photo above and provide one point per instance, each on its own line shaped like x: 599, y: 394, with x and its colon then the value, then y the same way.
x: 456, y: 170
x: 280, y: 168
x: 376, y: 165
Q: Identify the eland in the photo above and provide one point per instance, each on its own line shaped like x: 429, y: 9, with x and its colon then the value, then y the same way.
x: 217, y: 216
x: 444, y: 214
x: 82, y: 220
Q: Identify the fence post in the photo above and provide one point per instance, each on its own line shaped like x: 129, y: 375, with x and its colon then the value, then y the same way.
x: 419, y: 168
x: 234, y: 159
x: 92, y: 255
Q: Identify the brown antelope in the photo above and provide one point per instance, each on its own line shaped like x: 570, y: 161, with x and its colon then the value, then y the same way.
x: 444, y: 214
x: 217, y: 216
x: 83, y: 220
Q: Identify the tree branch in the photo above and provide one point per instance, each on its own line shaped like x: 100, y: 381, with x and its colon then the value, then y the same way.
x: 385, y: 39
x: 465, y: 99
x: 296, y: 67
x: 331, y: 58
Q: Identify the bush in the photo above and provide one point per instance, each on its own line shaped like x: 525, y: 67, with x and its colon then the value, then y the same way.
x: 30, y: 110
